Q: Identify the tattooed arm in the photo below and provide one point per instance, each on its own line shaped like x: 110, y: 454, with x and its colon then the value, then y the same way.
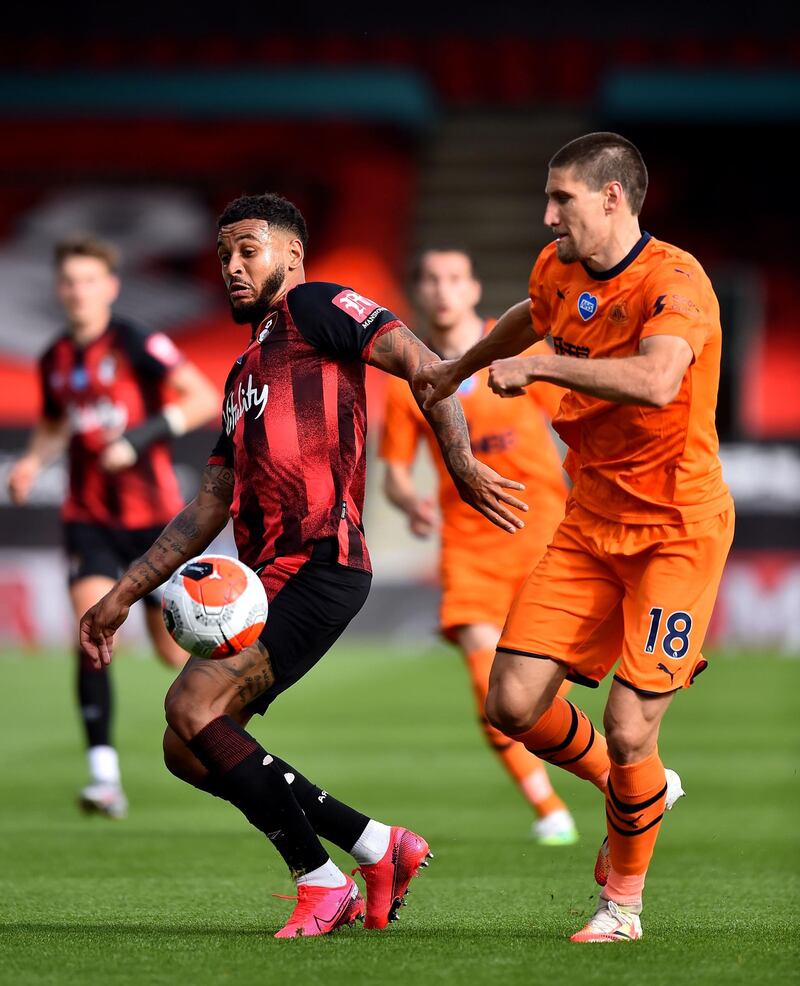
x: 186, y: 535
x: 399, y: 352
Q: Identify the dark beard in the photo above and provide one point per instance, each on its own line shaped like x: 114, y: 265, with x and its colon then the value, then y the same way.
x: 254, y: 312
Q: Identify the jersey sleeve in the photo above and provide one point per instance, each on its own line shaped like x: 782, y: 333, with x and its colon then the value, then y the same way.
x: 676, y: 303
x: 539, y: 293
x: 222, y: 453
x: 52, y: 405
x: 337, y: 320
x: 153, y: 354
x: 402, y: 424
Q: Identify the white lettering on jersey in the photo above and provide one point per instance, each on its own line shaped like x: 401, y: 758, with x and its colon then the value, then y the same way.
x: 102, y: 415
x: 240, y: 400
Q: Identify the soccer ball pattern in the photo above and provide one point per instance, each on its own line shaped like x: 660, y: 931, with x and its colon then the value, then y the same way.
x: 214, y: 606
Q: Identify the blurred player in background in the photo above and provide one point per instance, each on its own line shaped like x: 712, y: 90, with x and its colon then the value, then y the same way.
x: 113, y: 396
x: 635, y: 565
x: 290, y: 467
x: 481, y: 568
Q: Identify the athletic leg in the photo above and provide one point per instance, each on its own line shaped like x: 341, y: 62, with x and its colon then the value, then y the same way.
x: 477, y: 642
x: 104, y: 793
x: 165, y: 647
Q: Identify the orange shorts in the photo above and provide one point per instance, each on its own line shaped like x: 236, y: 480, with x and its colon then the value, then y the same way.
x: 479, y: 584
x: 642, y: 593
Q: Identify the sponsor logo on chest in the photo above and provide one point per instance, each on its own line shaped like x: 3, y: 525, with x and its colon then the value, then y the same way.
x: 242, y: 398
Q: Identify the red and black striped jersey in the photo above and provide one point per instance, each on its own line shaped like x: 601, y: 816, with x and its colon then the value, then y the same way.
x: 112, y: 384
x: 294, y: 424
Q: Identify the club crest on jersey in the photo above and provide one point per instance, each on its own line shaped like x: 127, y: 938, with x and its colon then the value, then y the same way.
x: 79, y: 378
x: 587, y: 305
x: 267, y: 327
x: 240, y: 400
x: 107, y: 369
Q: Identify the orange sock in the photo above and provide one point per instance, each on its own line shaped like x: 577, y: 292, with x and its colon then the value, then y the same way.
x: 528, y: 772
x: 564, y: 737
x: 635, y: 802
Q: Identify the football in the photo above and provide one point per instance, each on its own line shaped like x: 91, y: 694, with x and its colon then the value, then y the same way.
x: 214, y: 606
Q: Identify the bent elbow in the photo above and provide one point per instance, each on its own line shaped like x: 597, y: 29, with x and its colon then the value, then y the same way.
x: 662, y: 391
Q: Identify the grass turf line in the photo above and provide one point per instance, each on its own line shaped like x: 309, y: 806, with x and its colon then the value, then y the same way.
x: 180, y: 892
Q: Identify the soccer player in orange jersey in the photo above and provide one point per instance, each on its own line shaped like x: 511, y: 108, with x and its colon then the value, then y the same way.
x: 513, y: 438
x: 633, y: 570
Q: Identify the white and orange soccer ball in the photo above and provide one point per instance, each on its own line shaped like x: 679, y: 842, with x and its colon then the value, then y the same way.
x: 214, y: 606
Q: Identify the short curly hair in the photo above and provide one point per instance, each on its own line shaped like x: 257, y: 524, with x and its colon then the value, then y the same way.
x: 272, y: 208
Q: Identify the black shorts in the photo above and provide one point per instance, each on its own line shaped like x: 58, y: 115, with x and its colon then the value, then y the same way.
x: 94, y: 549
x: 308, y: 615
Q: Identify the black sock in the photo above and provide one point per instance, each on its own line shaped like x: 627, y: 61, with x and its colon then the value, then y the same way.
x: 331, y: 819
x: 249, y: 778
x: 94, y: 700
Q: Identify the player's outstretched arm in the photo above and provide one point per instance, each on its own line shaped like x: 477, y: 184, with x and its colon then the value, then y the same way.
x: 48, y: 442
x: 188, y: 534
x: 512, y: 334
x: 398, y: 486
x: 652, y: 378
x: 400, y: 352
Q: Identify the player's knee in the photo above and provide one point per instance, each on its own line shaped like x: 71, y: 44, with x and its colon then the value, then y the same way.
x: 508, y: 710
x: 628, y: 742
x: 187, y: 712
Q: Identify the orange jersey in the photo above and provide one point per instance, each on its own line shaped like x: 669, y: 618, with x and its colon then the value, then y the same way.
x: 630, y: 463
x: 510, y: 436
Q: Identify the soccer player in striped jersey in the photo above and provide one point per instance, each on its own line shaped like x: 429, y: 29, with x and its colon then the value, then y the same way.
x: 113, y: 395
x: 289, y: 467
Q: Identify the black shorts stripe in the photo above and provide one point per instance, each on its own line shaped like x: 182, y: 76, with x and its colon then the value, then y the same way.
x: 640, y: 831
x: 574, y: 676
x: 644, y: 691
x: 632, y: 809
x: 573, y: 728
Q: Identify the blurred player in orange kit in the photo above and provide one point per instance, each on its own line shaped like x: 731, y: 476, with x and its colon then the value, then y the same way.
x: 634, y: 568
x: 481, y: 569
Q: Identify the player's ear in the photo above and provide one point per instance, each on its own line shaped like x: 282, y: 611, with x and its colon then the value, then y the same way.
x: 296, y: 254
x: 614, y: 197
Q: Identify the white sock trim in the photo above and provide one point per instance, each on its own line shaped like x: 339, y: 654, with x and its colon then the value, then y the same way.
x: 372, y: 843
x: 327, y: 875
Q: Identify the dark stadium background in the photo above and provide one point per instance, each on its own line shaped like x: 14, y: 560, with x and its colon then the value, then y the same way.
x: 392, y: 132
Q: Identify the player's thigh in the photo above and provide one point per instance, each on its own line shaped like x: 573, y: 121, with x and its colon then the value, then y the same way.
x: 163, y: 644
x: 521, y: 688
x: 669, y: 600
x: 87, y: 591
x: 632, y: 721
x: 563, y: 604
x: 474, y: 637
x: 208, y: 688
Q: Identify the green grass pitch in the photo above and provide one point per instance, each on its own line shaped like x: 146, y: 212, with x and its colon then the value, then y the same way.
x: 180, y: 893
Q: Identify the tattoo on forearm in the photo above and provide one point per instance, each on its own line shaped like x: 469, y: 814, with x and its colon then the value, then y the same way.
x: 400, y: 352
